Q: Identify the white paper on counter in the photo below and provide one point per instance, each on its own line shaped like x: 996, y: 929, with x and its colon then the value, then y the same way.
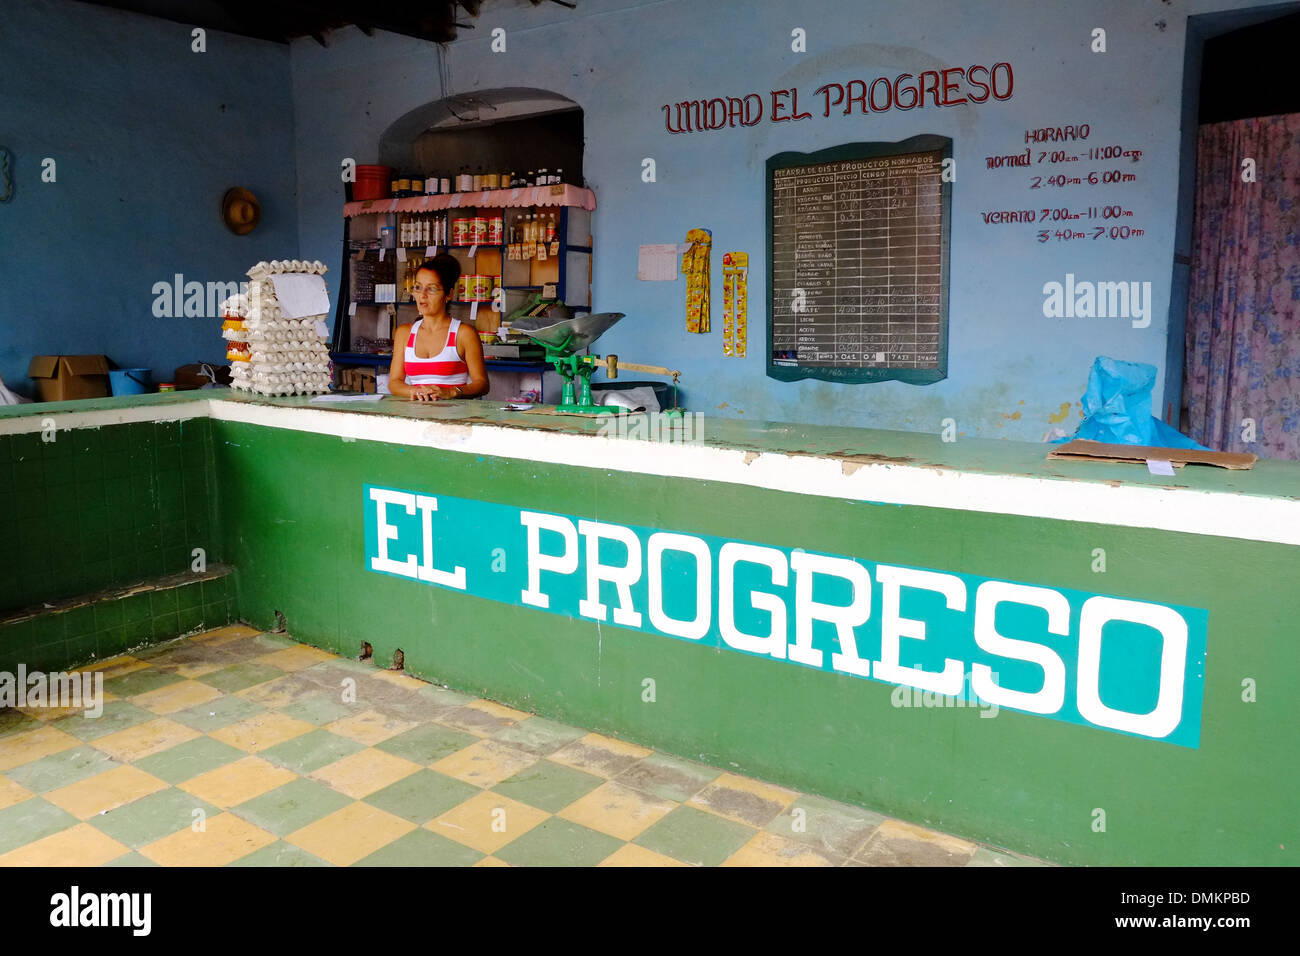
x: 1158, y: 467
x: 657, y: 263
x: 301, y: 295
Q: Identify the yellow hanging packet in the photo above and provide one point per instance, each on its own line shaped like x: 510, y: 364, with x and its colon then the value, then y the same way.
x: 695, y: 266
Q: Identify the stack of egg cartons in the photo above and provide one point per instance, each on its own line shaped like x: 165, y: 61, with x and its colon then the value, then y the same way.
x: 285, y: 356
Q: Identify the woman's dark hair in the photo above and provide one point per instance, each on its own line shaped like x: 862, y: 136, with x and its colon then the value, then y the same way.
x: 447, y: 269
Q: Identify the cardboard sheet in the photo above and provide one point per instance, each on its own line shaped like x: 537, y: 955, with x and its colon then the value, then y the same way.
x: 1082, y: 449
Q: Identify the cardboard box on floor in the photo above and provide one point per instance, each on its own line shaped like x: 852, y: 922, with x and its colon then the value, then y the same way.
x: 61, y: 378
x: 361, y: 380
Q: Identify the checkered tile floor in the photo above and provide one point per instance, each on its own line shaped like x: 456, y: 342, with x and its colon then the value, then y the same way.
x: 236, y: 747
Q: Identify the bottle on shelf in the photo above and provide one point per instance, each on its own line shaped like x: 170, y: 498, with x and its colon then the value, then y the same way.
x: 532, y: 179
x: 478, y: 179
x: 550, y: 228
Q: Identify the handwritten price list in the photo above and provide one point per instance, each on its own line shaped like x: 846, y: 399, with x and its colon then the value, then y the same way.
x: 856, y: 263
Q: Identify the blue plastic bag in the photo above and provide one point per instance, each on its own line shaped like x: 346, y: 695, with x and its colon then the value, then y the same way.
x: 1117, y: 407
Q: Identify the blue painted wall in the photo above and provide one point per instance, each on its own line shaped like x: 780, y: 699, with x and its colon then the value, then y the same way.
x: 147, y: 137
x: 1009, y: 368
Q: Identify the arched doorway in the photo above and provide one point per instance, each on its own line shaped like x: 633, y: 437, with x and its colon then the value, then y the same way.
x: 514, y: 128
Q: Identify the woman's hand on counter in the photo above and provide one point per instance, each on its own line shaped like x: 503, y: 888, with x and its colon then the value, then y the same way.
x: 432, y: 393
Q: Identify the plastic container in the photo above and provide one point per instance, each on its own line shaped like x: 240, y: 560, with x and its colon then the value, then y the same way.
x: 663, y: 390
x: 130, y: 381
x: 372, y: 182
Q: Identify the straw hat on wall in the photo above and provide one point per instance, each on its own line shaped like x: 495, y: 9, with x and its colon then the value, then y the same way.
x: 240, y: 211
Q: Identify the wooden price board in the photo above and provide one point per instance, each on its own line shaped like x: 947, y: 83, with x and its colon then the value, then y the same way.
x: 857, y: 241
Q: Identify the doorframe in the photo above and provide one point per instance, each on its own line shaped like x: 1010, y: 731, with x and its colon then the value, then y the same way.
x: 1200, y: 28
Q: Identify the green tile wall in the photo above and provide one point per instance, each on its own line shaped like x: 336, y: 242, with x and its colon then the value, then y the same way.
x: 102, y: 507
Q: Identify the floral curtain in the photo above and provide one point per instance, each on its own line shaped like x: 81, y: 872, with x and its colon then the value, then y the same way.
x: 1243, y: 317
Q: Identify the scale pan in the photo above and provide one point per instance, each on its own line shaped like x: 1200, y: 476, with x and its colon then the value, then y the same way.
x: 567, y: 335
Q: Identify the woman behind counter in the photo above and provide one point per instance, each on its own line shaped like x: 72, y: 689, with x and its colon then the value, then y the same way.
x: 436, y: 356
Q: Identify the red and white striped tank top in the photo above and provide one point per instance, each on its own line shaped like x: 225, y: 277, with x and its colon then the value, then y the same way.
x: 445, y: 368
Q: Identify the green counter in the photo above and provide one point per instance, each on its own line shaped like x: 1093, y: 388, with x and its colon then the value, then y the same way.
x: 353, y: 521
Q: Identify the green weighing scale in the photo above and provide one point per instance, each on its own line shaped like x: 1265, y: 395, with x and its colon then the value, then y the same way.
x: 563, y: 334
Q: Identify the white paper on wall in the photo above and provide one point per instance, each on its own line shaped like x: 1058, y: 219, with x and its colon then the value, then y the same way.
x: 301, y: 295
x: 657, y: 263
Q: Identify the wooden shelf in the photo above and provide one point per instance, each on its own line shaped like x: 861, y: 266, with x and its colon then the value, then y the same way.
x: 516, y: 198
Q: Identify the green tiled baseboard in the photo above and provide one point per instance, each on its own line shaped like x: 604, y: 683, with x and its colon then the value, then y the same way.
x: 61, y: 638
